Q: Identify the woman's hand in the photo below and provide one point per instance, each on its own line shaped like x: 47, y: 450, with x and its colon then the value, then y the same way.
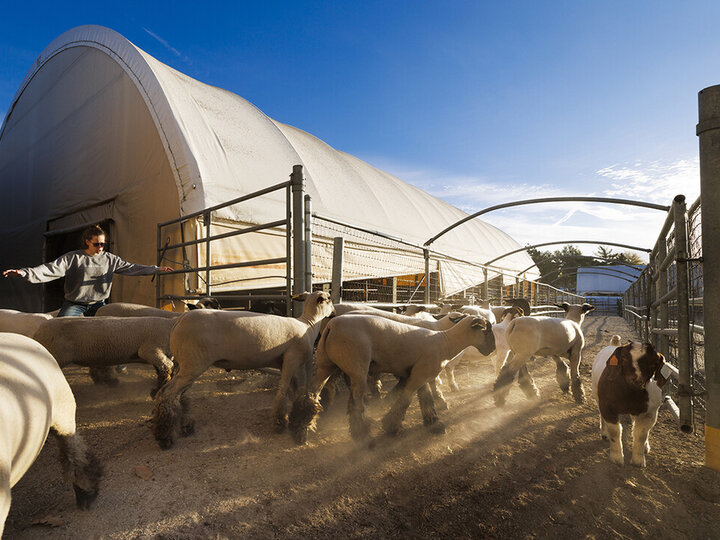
x: 8, y: 273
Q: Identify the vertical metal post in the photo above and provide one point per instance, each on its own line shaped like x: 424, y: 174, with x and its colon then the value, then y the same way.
x: 393, y: 284
x: 708, y: 130
x: 337, y: 277
x: 158, y: 289
x: 685, y: 361
x: 288, y: 252
x: 662, y: 289
x: 308, y: 243
x: 651, y: 296
x: 486, y: 285
x: 426, y: 255
x: 298, y: 194
x: 207, y: 218
x: 502, y: 288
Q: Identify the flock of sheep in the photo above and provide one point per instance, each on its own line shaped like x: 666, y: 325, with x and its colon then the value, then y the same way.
x: 356, y: 341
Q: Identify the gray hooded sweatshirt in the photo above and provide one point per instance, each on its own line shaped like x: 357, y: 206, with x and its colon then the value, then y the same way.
x: 88, y: 278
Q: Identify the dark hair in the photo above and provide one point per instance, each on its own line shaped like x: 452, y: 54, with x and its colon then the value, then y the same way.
x: 94, y: 230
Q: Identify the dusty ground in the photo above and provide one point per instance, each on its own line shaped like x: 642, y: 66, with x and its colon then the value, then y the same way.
x: 529, y: 470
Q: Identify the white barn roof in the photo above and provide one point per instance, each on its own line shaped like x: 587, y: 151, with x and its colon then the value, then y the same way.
x: 100, y: 129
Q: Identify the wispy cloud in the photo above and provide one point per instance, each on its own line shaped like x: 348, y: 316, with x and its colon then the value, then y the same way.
x: 657, y: 182
x: 167, y: 46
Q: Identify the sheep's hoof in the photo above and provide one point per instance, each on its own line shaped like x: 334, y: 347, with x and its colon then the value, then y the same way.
x: 442, y: 405
x: 166, y: 444
x: 578, y: 392
x: 499, y: 400
x: 84, y: 498
x: 187, y: 428
x: 300, y: 436
x: 638, y: 462
x: 391, y: 428
x: 438, y: 428
x: 280, y: 424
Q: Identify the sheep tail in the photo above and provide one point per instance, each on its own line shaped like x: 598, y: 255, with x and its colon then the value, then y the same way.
x: 81, y: 467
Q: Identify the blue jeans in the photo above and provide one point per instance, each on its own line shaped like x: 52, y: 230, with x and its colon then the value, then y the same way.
x: 73, y: 309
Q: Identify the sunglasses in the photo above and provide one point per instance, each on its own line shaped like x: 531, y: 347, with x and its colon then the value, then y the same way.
x: 98, y: 244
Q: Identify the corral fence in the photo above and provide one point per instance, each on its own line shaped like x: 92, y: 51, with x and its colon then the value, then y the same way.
x: 665, y: 307
x: 360, y: 265
x: 322, y: 253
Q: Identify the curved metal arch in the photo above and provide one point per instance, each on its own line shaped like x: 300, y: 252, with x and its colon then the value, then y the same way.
x: 544, y: 200
x: 602, y: 243
x: 589, y: 256
x: 600, y: 270
x: 571, y: 273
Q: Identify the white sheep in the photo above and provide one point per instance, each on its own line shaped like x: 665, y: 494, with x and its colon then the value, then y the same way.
x: 544, y: 336
x: 35, y: 399
x: 237, y: 340
x: 18, y: 322
x: 443, y: 323
x: 359, y: 345
x: 629, y: 380
x: 502, y: 348
x: 99, y: 342
x: 126, y: 309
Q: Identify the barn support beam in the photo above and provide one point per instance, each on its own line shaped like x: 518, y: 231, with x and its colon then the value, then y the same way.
x: 708, y: 131
x: 337, y: 276
x: 298, y: 217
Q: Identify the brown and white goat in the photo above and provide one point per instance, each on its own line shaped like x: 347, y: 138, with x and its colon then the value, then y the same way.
x: 629, y: 380
x: 237, y: 340
x: 359, y: 345
x: 35, y: 399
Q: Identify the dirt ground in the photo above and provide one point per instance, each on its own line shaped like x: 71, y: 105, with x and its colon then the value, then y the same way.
x: 528, y: 470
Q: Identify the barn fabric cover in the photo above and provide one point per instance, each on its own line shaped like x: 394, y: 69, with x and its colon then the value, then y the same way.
x: 99, y: 130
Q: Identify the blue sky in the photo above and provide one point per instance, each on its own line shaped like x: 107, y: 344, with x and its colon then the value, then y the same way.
x: 478, y: 103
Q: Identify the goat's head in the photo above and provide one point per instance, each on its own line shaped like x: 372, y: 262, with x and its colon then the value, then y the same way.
x: 637, y: 363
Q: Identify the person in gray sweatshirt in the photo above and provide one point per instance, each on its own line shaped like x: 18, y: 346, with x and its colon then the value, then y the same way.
x: 88, y: 274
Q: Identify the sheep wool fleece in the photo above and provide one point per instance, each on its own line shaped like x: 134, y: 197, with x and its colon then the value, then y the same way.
x: 88, y: 278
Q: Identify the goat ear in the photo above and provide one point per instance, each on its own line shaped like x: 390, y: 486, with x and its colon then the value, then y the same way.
x: 321, y: 299
x: 587, y: 307
x: 301, y: 297
x: 564, y: 306
x: 616, y: 363
x: 191, y: 306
